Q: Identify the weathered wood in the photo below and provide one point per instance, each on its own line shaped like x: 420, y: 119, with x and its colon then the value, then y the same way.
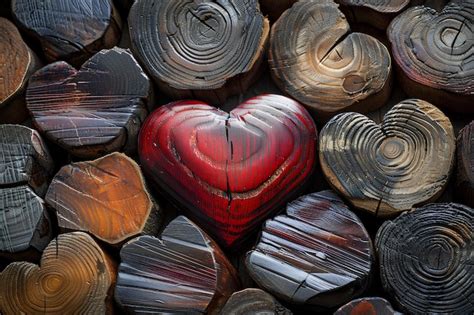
x: 253, y: 301
x: 465, y: 165
x: 377, y: 13
x: 316, y: 59
x: 367, y: 306
x: 229, y: 170
x: 92, y: 111
x: 207, y: 50
x: 105, y: 197
x: 433, y: 54
x: 74, y: 277
x: 71, y: 30
x: 318, y: 254
x: 389, y: 168
x: 274, y: 9
x: 426, y: 259
x: 183, y: 271
x: 17, y: 63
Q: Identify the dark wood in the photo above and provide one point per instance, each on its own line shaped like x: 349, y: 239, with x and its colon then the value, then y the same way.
x: 183, y: 271
x: 316, y: 59
x: 71, y: 30
x: 426, y: 260
x: 92, y: 111
x: 229, y: 170
x: 74, y: 277
x: 17, y: 63
x: 433, y: 54
x: 273, y: 9
x: 465, y: 165
x: 253, y: 301
x: 389, y: 168
x: 367, y: 306
x: 318, y: 254
x: 199, y: 49
x: 105, y: 197
x: 377, y: 13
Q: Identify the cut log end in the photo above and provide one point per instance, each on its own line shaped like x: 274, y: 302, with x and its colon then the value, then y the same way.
x: 367, y: 306
x: 428, y: 252
x: 465, y: 165
x: 253, y: 301
x: 389, y: 168
x: 274, y: 9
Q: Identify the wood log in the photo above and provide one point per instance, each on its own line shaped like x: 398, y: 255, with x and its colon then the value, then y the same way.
x: 229, y: 171
x: 367, y: 306
x: 433, y: 54
x: 316, y: 59
x: 74, y: 277
x: 389, y: 168
x: 17, y: 63
x: 426, y: 259
x: 253, y: 301
x: 318, y: 254
x: 183, y: 271
x: 274, y: 9
x: 92, y: 111
x: 205, y: 50
x: 378, y: 13
x: 105, y: 197
x: 465, y: 165
x: 71, y: 30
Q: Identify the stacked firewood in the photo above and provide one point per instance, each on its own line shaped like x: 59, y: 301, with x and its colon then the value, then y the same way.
x: 236, y: 156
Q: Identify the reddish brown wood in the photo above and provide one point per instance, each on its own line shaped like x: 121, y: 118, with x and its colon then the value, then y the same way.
x: 367, y: 306
x: 92, y: 111
x: 465, y: 165
x: 318, y: 254
x: 183, y: 271
x: 229, y: 170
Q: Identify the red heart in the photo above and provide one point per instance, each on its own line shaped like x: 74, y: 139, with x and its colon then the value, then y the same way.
x: 229, y: 170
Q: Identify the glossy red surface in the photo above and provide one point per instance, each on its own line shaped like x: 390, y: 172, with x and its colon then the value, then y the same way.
x: 229, y: 170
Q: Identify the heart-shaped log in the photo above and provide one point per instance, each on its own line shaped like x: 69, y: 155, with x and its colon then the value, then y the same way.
x: 229, y: 170
x: 105, y: 197
x: 318, y: 254
x: 434, y: 53
x: 367, y: 306
x: 70, y: 30
x: 96, y: 110
x: 183, y: 271
x: 465, y: 165
x: 317, y: 60
x: 274, y: 8
x: 253, y: 301
x: 377, y: 13
x: 200, y: 49
x: 389, y: 168
x: 17, y: 63
x: 74, y: 277
x: 426, y: 259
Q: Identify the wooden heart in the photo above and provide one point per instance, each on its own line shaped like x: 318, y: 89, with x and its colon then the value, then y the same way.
x: 229, y: 170
x: 389, y: 168
x: 93, y: 111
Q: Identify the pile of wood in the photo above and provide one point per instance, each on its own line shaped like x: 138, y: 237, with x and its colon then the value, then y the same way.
x: 236, y: 157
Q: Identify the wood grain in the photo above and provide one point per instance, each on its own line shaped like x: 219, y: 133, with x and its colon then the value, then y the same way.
x: 229, y: 171
x: 434, y: 53
x: 465, y: 165
x: 71, y: 30
x: 74, y: 277
x: 274, y: 9
x: 198, y: 49
x: 253, y: 301
x: 389, y: 168
x: 92, y: 111
x: 426, y: 259
x: 316, y: 59
x: 183, y: 271
x: 367, y: 306
x: 317, y: 254
x: 105, y: 197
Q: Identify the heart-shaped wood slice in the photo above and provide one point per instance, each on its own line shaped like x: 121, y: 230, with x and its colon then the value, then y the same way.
x: 229, y: 170
x: 92, y: 111
x: 389, y: 168
x: 183, y: 271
